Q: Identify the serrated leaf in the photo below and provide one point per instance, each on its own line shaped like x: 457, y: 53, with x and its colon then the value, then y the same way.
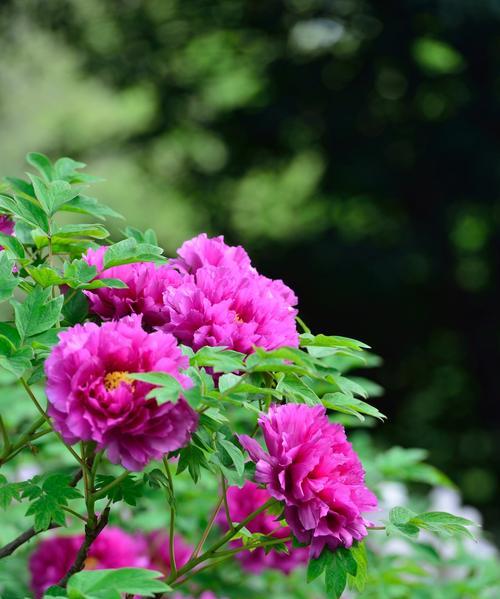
x: 192, y: 458
x: 128, y: 490
x: 317, y: 566
x: 38, y: 312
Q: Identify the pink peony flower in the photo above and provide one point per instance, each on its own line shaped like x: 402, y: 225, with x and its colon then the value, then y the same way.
x: 53, y: 557
x: 146, y: 283
x: 159, y: 553
x: 312, y: 467
x: 6, y: 225
x: 242, y: 502
x: 92, y: 398
x: 223, y: 306
x: 204, y: 251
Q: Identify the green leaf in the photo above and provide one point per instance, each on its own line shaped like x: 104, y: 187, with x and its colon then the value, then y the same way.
x: 294, y: 387
x: 8, y: 282
x: 38, y: 312
x: 307, y: 340
x: 45, y: 276
x: 149, y: 236
x: 335, y: 576
x: 31, y: 213
x: 129, y: 251
x: 443, y: 523
x: 66, y: 169
x: 52, y: 195
x: 358, y: 580
x: 400, y: 515
x: 219, y: 358
x: 86, y: 205
x: 48, y: 499
x: 235, y: 454
x: 347, y: 404
x: 56, y: 592
x: 317, y: 566
x: 103, y: 282
x: 16, y: 362
x: 104, y: 584
x: 8, y: 492
x: 192, y: 458
x: 81, y: 230
x: 75, y: 307
x: 42, y: 164
x: 129, y: 489
x: 167, y: 387
x: 13, y: 245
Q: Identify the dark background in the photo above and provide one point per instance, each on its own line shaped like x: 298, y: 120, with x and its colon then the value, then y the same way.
x: 351, y: 146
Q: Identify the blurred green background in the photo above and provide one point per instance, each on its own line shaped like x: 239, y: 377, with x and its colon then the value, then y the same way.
x: 350, y: 145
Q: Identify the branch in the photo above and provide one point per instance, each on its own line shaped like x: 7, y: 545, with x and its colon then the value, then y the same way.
x: 21, y: 539
x: 92, y: 531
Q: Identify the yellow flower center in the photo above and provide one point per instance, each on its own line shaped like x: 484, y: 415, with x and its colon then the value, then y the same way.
x: 113, y: 379
x: 237, y: 318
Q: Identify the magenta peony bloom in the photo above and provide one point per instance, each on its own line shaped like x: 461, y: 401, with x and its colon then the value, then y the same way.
x: 242, y: 502
x: 53, y: 557
x: 6, y: 225
x: 159, y: 554
x: 146, y: 282
x: 204, y: 251
x: 221, y: 306
x: 312, y: 468
x: 92, y: 398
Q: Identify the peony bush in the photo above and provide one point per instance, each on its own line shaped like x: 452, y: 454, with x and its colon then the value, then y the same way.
x: 171, y: 428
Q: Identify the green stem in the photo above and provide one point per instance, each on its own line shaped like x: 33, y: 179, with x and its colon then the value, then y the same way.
x: 211, y: 551
x: 22, y: 444
x: 375, y: 527
x: 171, y: 536
x: 5, y: 437
x: 269, y: 543
x: 226, y: 505
x: 73, y: 513
x: 222, y: 556
x: 208, y: 528
x: 47, y: 419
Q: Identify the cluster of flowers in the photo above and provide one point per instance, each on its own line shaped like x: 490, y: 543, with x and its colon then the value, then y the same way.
x: 209, y: 295
x: 113, y: 548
